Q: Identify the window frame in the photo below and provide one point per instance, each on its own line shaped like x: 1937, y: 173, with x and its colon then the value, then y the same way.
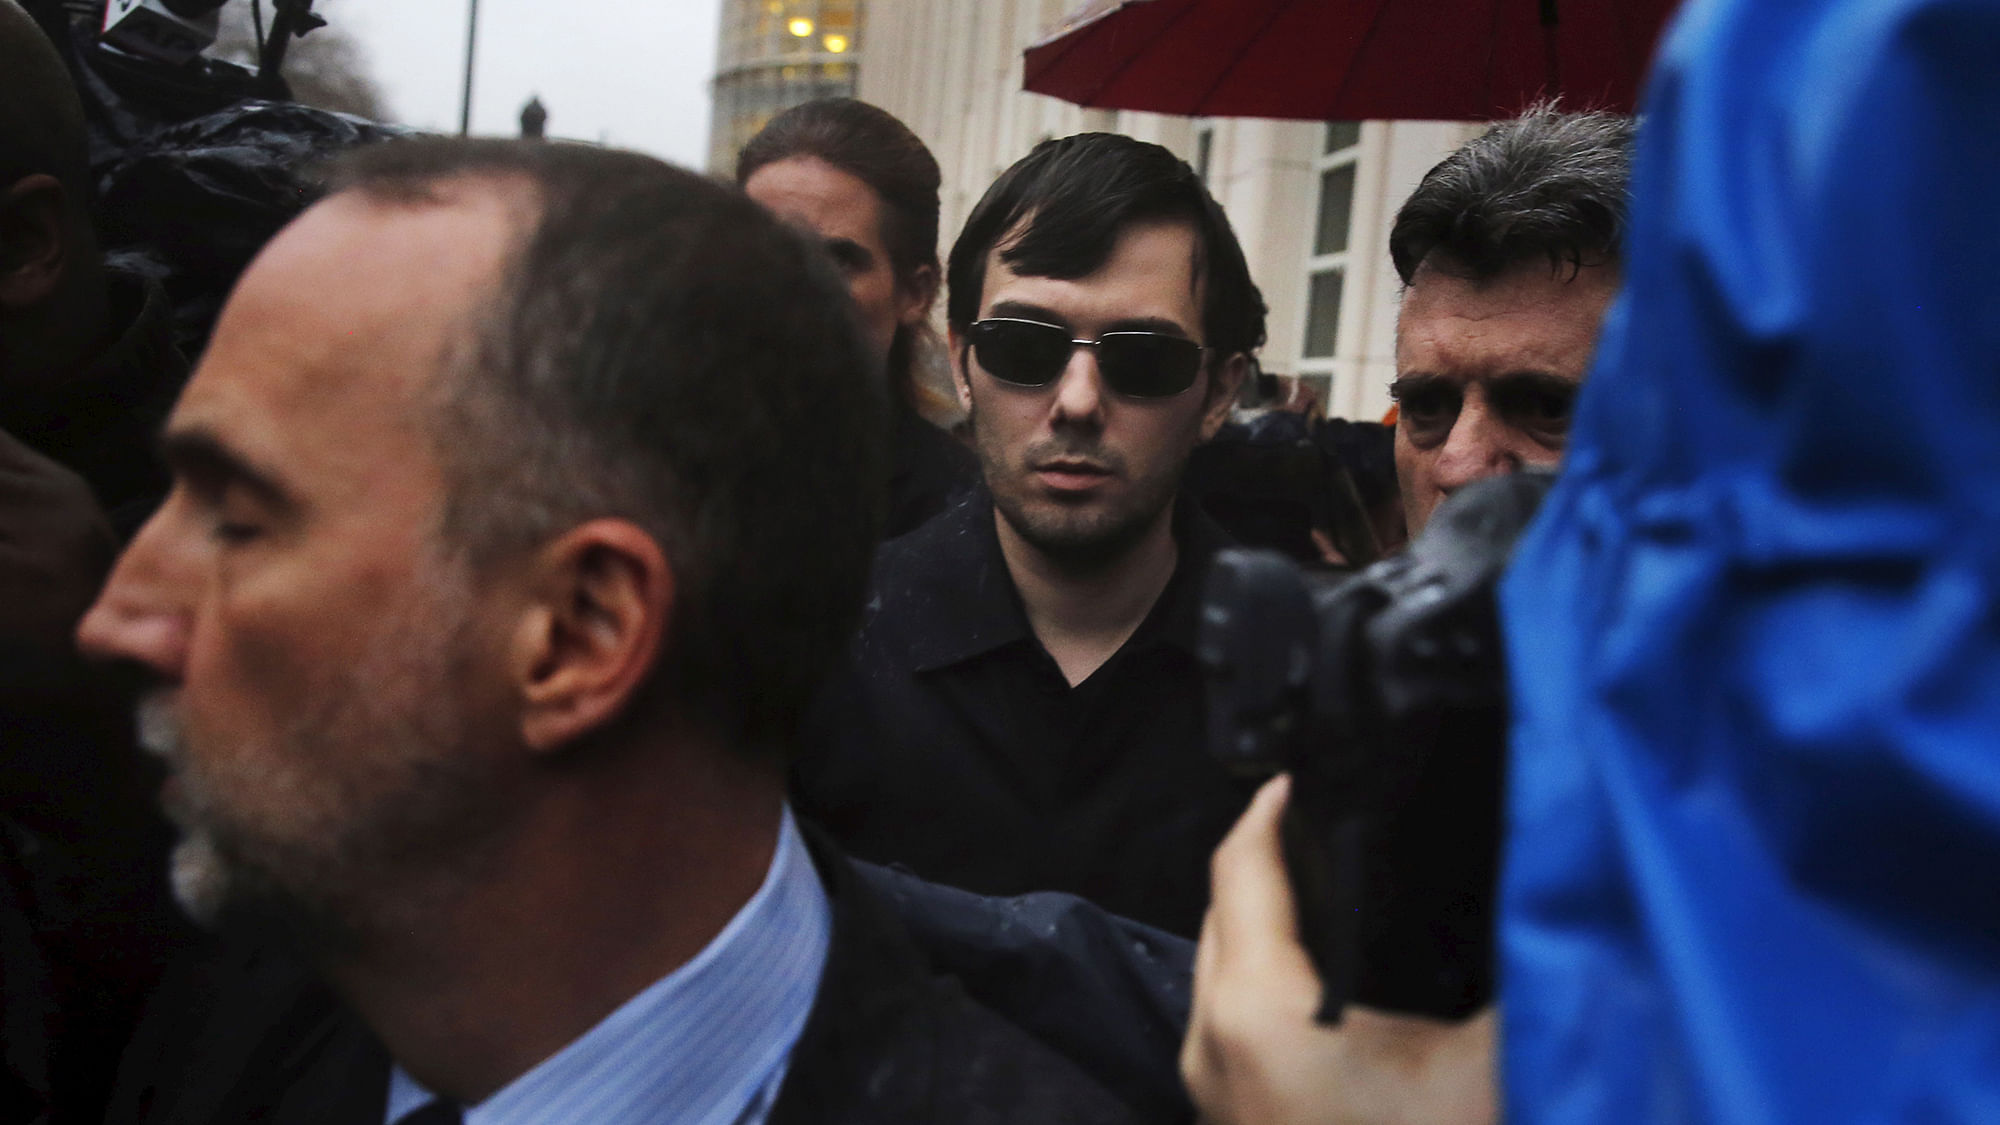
x: 1321, y: 368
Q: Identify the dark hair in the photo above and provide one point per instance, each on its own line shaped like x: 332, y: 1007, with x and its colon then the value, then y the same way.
x: 1071, y: 198
x: 870, y: 144
x: 1546, y: 184
x: 663, y: 350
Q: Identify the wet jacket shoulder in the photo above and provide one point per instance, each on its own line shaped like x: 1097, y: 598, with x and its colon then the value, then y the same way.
x: 890, y: 1040
x: 1108, y: 993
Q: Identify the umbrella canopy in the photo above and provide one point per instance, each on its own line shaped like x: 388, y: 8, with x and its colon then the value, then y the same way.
x: 1349, y: 60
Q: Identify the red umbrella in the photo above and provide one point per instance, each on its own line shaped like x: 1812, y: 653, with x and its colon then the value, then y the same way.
x: 1349, y: 60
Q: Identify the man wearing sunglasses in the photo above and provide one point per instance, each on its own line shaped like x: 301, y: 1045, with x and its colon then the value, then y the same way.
x: 1022, y: 710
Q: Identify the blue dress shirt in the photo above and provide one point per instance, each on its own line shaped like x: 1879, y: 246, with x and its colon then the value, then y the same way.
x: 708, y: 1044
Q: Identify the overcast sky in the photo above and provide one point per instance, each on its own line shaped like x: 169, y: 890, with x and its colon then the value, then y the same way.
x: 632, y: 73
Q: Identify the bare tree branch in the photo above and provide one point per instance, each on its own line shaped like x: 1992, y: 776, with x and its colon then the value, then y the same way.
x: 327, y: 68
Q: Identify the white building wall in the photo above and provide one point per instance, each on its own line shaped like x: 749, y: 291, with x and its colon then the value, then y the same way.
x: 1394, y: 156
x: 952, y: 70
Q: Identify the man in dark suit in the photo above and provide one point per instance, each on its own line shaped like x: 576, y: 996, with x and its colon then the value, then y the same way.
x: 522, y: 499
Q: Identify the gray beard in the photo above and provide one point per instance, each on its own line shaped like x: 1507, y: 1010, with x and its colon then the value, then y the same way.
x: 372, y: 870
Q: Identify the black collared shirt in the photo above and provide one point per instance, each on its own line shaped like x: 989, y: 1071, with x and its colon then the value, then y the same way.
x: 951, y: 743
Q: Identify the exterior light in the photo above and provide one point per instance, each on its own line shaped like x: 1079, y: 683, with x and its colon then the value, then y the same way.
x: 800, y: 26
x: 836, y: 43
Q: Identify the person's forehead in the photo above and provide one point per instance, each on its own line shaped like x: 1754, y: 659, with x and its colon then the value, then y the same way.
x: 809, y: 192
x: 1533, y: 317
x: 356, y: 276
x: 1149, y: 274
x: 338, y: 326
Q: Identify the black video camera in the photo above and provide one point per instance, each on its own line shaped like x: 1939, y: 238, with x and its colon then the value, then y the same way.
x: 1384, y: 694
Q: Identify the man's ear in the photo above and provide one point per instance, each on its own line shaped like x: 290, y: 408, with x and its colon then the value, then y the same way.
x: 1222, y: 387
x: 34, y: 247
x: 916, y: 297
x: 955, y: 343
x: 600, y: 603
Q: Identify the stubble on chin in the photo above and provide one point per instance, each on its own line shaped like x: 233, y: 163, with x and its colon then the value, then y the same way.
x: 1086, y: 535
x: 1082, y: 535
x: 276, y: 842
x: 1077, y: 538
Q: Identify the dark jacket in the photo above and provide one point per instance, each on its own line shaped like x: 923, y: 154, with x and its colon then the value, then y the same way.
x: 928, y: 469
x: 75, y: 964
x: 105, y: 424
x: 255, y: 1037
x: 28, y: 1005
x: 1109, y: 994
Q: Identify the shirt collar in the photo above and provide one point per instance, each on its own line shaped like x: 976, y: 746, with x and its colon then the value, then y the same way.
x: 963, y: 599
x: 707, y: 1043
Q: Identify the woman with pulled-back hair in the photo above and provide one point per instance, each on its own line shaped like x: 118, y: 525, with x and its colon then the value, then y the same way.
x: 860, y: 180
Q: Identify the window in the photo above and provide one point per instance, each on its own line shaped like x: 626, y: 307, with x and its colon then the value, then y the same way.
x: 1323, y: 313
x: 1336, y: 209
x: 1341, y: 135
x: 1326, y: 264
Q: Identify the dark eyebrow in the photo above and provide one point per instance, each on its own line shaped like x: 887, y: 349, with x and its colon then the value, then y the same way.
x: 1021, y: 310
x: 848, y: 250
x: 1408, y: 384
x: 1158, y: 324
x: 1535, y: 380
x: 200, y: 457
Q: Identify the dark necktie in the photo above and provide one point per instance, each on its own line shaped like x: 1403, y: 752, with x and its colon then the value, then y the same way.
x: 437, y: 1111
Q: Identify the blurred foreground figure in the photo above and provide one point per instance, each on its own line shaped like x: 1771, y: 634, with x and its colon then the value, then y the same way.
x: 78, y: 404
x: 87, y: 360
x: 521, y: 500
x: 87, y: 368
x: 1755, y: 798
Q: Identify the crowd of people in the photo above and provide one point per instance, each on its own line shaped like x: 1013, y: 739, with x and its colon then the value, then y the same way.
x: 549, y: 586
x: 589, y: 685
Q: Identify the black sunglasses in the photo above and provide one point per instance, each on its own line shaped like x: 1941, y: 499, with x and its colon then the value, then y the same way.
x: 1028, y: 353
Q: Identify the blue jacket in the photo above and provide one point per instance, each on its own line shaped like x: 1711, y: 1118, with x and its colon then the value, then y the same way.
x: 1754, y: 863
